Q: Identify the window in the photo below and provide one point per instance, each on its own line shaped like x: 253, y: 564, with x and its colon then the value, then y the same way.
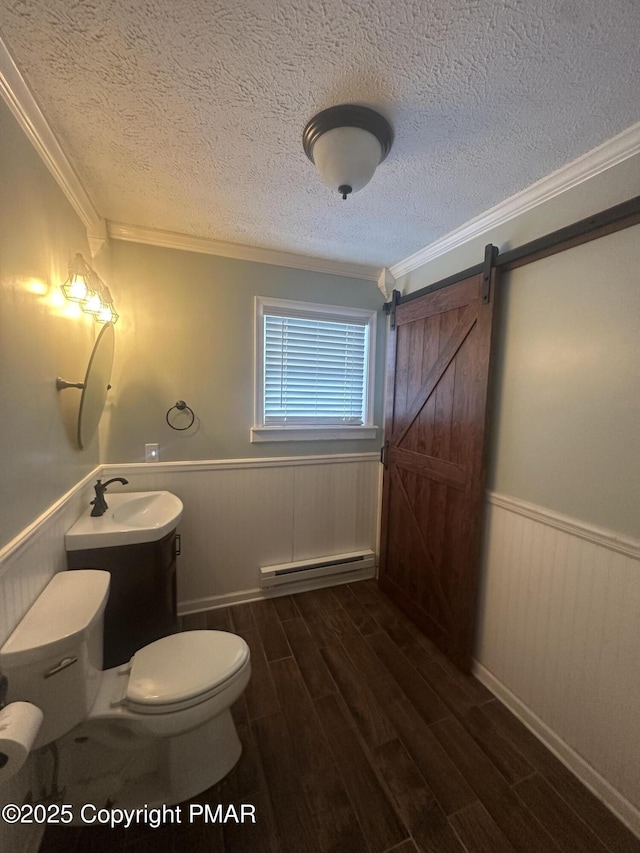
x: 314, y: 371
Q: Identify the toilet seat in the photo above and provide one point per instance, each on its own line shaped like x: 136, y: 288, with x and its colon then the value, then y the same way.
x: 183, y: 670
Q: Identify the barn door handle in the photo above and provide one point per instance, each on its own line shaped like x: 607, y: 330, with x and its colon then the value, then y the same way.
x: 384, y: 454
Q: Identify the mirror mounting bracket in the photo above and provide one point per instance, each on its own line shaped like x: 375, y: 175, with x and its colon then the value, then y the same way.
x: 95, y: 386
x: 61, y: 384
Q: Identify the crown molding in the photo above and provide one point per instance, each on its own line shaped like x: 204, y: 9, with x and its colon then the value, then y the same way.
x: 386, y: 283
x: 206, y: 246
x: 610, y: 153
x: 15, y: 91
x: 97, y: 236
x: 19, y: 99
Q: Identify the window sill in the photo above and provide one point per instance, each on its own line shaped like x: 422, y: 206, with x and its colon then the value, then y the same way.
x: 311, y: 433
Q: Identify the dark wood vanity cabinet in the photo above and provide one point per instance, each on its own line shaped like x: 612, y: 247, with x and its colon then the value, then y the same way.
x: 142, y: 595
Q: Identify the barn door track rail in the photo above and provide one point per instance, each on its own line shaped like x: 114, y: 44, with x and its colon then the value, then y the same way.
x: 608, y: 221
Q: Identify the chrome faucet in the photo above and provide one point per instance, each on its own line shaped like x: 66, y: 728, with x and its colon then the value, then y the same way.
x: 99, y: 504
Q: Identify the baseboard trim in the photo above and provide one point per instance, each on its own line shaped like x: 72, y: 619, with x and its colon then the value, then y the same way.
x: 618, y: 804
x: 214, y: 602
x: 575, y: 527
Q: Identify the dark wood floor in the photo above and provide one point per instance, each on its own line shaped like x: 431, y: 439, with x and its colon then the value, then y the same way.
x: 359, y: 737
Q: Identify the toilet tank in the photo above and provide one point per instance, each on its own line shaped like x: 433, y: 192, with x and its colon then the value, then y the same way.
x: 53, y: 659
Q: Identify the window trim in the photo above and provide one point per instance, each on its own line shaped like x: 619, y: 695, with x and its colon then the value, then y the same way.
x: 313, y: 432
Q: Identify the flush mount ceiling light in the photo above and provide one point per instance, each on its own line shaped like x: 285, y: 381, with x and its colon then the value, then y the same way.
x: 347, y: 143
x: 85, y: 286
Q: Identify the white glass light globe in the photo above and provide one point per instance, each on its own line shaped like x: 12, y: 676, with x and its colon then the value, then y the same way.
x: 346, y: 157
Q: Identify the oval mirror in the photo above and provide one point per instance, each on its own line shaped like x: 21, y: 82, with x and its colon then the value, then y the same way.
x: 96, y: 385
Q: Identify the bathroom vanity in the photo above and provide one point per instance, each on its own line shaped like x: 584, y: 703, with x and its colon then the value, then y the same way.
x: 142, y: 596
x: 135, y: 540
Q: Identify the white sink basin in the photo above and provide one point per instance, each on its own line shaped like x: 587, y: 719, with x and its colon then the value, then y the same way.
x: 132, y: 518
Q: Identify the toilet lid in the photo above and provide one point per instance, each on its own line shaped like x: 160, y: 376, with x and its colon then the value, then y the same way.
x: 183, y: 666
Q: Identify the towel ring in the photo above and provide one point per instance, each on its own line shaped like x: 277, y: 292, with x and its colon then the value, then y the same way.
x: 181, y: 406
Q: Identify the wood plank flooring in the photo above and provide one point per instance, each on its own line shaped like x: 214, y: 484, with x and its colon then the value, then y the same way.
x: 359, y: 737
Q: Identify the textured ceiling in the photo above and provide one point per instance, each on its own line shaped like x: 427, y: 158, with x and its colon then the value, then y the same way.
x: 188, y: 115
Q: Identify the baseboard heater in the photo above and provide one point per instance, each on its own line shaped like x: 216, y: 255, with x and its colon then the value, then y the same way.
x: 336, y: 564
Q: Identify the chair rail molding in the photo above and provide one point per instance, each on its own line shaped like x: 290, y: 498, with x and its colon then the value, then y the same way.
x: 242, y: 514
x: 558, y: 641
x: 583, y: 530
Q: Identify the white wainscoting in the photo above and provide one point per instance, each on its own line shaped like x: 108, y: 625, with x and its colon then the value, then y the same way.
x: 559, y: 641
x: 559, y: 638
x: 27, y: 564
x: 241, y: 514
x: 29, y: 561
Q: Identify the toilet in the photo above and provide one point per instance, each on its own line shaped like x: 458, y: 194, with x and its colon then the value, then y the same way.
x: 156, y: 730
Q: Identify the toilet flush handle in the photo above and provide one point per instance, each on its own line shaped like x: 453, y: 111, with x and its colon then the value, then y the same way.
x: 64, y: 663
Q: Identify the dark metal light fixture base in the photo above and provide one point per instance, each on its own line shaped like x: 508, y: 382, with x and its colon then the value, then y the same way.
x: 348, y: 115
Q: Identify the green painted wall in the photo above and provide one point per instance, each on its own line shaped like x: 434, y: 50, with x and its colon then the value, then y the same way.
x: 187, y: 333
x: 39, y: 340
x: 565, y: 432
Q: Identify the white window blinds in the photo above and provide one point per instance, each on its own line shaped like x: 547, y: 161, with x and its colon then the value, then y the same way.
x: 315, y: 370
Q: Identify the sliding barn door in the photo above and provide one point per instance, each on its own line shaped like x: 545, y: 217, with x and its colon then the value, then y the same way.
x: 434, y: 481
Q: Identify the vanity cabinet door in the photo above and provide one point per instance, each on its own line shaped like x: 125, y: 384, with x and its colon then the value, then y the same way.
x: 142, y: 595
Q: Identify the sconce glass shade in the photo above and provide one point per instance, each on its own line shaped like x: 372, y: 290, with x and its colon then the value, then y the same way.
x: 75, y: 289
x: 76, y: 286
x: 107, y: 315
x: 107, y: 312
x: 92, y: 304
x: 347, y: 143
x: 85, y: 286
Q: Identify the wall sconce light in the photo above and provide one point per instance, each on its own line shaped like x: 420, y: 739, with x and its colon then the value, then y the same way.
x: 85, y: 287
x: 346, y: 144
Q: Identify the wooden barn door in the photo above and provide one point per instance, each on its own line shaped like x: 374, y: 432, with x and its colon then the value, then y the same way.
x: 434, y: 478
